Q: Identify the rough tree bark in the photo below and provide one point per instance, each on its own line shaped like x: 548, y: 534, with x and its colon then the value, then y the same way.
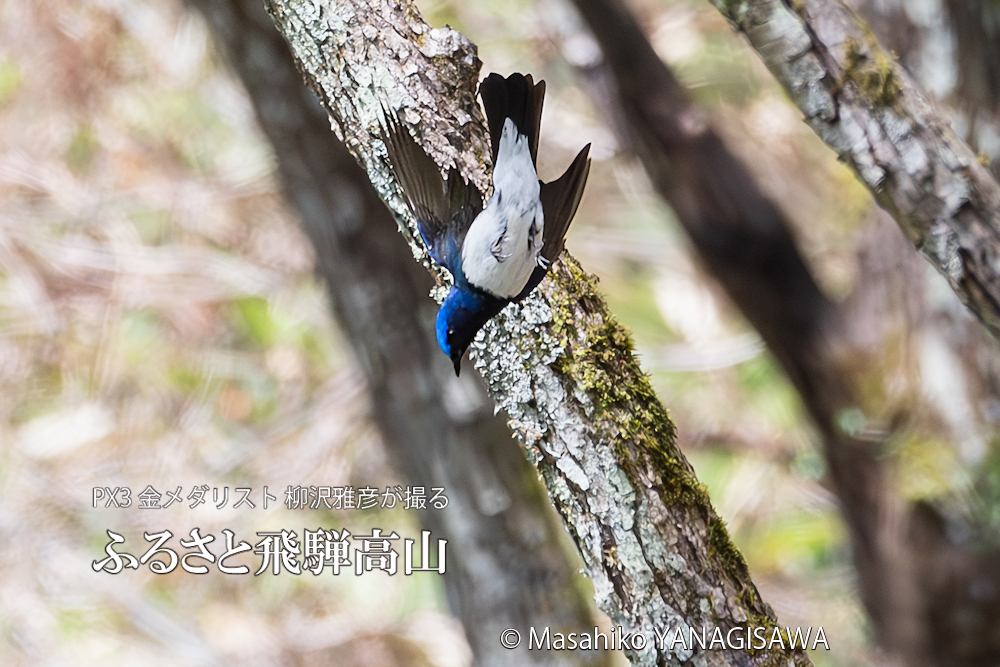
x: 506, y: 565
x: 949, y: 46
x: 910, y: 573
x: 865, y: 107
x: 561, y: 366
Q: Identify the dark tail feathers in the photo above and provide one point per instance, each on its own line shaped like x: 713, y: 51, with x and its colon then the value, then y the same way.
x: 517, y: 97
x: 560, y: 199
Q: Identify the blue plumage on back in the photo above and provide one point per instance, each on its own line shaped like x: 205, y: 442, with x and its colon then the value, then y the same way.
x: 449, y: 210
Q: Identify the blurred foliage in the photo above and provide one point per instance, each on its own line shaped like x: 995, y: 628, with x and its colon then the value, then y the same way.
x: 10, y: 80
x: 160, y: 324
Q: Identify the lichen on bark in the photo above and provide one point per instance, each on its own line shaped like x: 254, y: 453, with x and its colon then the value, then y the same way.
x: 558, y: 363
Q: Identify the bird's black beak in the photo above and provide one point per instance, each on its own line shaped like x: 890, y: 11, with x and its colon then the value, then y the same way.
x: 458, y: 365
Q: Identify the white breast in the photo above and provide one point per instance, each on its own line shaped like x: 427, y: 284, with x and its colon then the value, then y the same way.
x: 502, y: 246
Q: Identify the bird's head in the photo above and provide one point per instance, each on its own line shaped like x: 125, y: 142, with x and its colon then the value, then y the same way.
x: 453, y: 344
x: 462, y: 315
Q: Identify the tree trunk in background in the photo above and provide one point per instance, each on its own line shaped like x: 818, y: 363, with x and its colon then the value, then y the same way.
x: 660, y: 557
x: 916, y: 584
x: 976, y: 28
x: 971, y: 29
x: 506, y: 565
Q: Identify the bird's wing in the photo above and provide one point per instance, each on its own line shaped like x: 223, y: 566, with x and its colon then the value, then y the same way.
x: 501, y: 247
x: 560, y: 199
x: 517, y: 97
x: 507, y: 243
x: 444, y: 208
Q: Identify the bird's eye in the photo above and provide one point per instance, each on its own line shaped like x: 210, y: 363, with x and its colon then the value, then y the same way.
x: 451, y: 331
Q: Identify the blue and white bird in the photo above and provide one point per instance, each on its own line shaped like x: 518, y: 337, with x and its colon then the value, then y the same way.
x: 500, y: 253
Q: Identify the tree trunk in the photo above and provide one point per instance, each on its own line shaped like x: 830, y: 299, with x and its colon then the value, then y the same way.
x: 560, y: 365
x: 506, y: 564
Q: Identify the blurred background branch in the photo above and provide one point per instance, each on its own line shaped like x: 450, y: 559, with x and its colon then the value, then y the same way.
x: 869, y: 110
x: 949, y: 46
